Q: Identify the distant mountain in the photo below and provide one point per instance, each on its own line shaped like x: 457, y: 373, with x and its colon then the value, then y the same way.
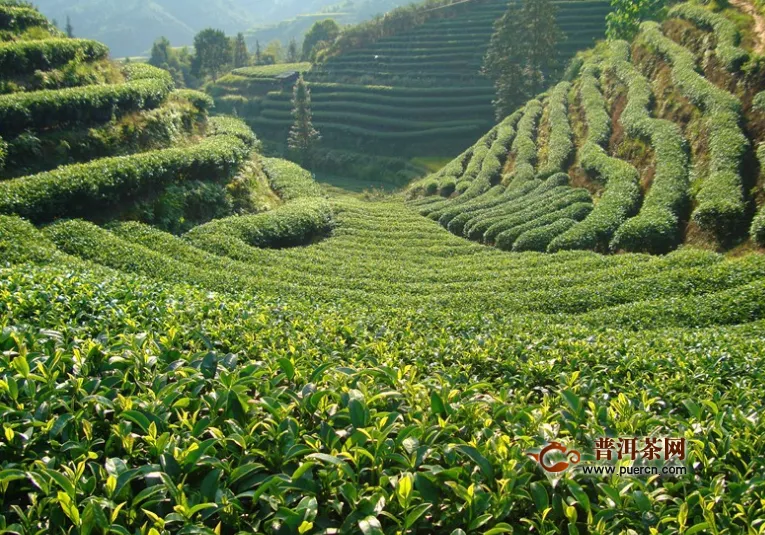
x: 130, y: 27
x: 347, y: 12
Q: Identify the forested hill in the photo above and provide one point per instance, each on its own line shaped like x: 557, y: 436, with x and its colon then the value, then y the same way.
x: 129, y: 27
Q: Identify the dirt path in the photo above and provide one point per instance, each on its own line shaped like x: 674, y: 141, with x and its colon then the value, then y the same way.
x: 759, y: 23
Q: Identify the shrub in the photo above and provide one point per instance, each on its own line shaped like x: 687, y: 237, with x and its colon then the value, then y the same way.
x: 231, y: 126
x: 92, y: 189
x: 295, y: 223
x: 758, y: 228
x: 289, y: 180
x: 621, y: 196
x: 21, y: 242
x: 539, y: 239
x: 25, y: 57
x: 523, y: 197
x: 554, y: 200
x: 569, y: 210
x: 431, y: 187
x: 559, y: 145
x: 524, y: 147
x: 758, y: 102
x: 620, y: 200
x: 726, y: 33
x: 144, y: 71
x: 721, y: 204
x: 447, y: 187
x: 78, y: 106
x: 201, y: 101
x: 496, y: 198
x: 18, y: 18
x: 656, y: 227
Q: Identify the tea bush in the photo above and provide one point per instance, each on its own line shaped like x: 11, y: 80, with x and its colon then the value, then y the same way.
x: 272, y: 373
x: 538, y: 239
x: 621, y: 196
x: 577, y: 211
x: 726, y: 33
x: 57, y: 108
x: 201, y: 101
x: 656, y: 228
x: 721, y: 203
x: 560, y: 145
x: 19, y: 18
x: 25, y: 57
x: 524, y: 148
x: 295, y: 223
x: 231, y: 126
x: 73, y: 191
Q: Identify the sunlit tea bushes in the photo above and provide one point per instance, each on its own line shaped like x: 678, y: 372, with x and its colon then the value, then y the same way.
x: 78, y: 105
x: 201, y: 101
x: 295, y: 223
x: 89, y: 190
x: 538, y: 239
x: 25, y: 57
x: 230, y: 126
x: 656, y: 227
x: 560, y: 145
x: 289, y: 180
x: 726, y: 33
x: 524, y: 149
x: 572, y: 213
x: 621, y: 195
x: 721, y: 204
x: 19, y: 18
x: 645, y: 211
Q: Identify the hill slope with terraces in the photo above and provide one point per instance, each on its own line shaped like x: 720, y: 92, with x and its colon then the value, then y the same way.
x: 653, y: 145
x: 417, y: 92
x: 316, y: 362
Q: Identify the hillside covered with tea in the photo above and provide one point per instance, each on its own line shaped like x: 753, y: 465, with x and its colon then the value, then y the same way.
x: 403, y: 86
x: 653, y: 144
x: 196, y: 338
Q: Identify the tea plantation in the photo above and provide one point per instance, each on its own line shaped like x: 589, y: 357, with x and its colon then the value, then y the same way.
x: 309, y: 361
x: 641, y: 152
x: 417, y: 92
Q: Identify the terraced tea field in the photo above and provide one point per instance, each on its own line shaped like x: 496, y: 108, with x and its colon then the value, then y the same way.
x: 614, y: 162
x: 418, y: 92
x: 337, y: 363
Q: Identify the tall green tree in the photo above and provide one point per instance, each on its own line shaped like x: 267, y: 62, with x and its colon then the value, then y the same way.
x: 303, y: 137
x: 321, y: 35
x: 623, y: 22
x: 69, y: 28
x: 523, y: 53
x: 241, y: 54
x: 274, y: 53
x: 292, y: 52
x: 258, y: 54
x: 161, y: 52
x: 212, y: 53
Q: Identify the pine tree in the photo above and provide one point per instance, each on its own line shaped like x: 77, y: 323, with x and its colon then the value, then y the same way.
x: 258, y: 54
x: 69, y: 27
x: 292, y: 52
x: 303, y: 137
x: 523, y: 53
x: 241, y: 54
